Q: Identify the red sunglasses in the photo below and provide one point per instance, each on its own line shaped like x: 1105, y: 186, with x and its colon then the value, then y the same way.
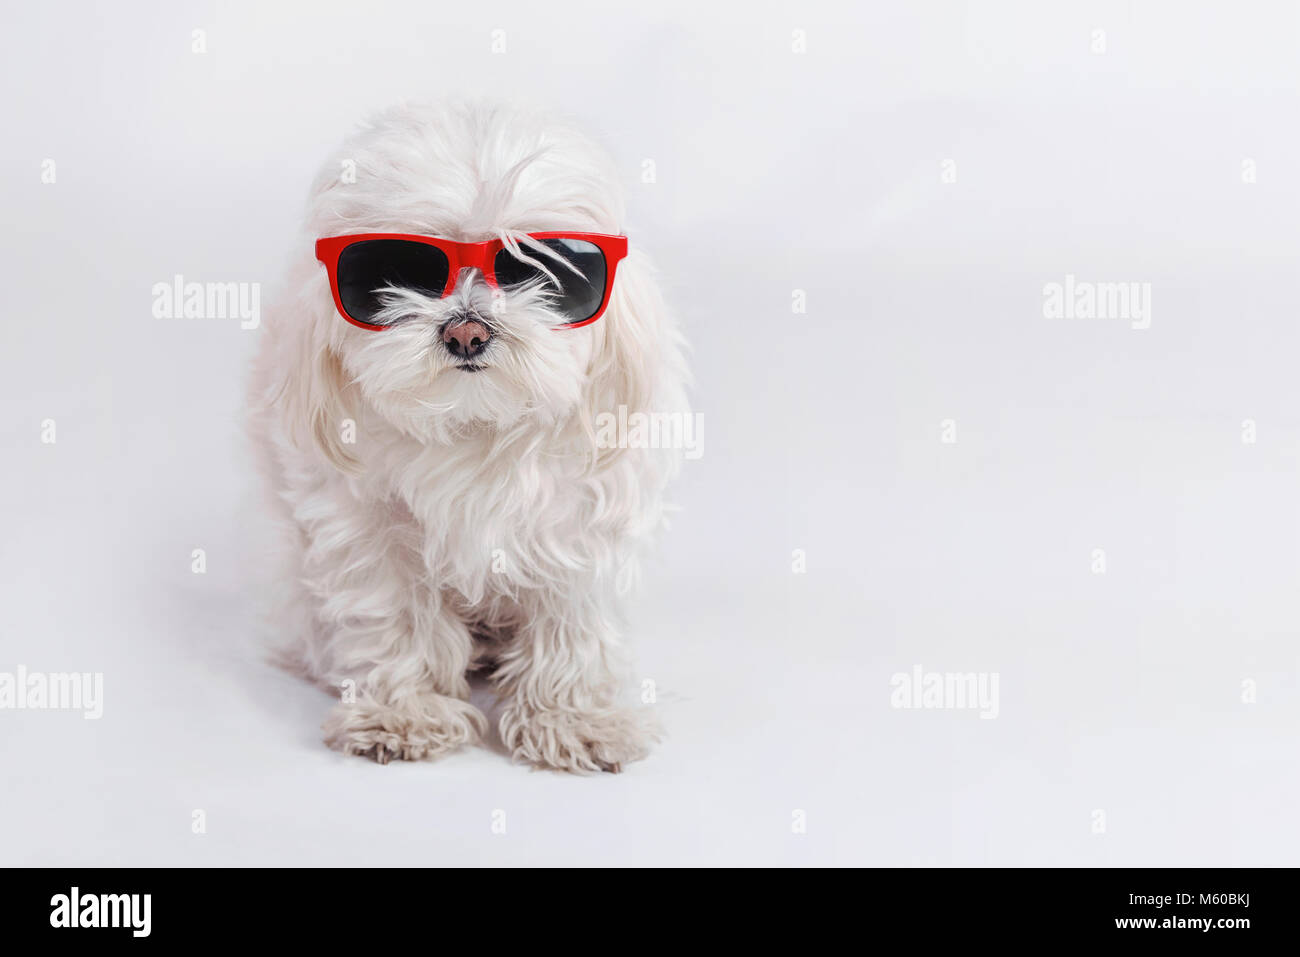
x: 577, y: 269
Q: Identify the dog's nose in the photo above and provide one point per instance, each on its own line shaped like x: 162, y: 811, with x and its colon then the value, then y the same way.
x: 465, y: 338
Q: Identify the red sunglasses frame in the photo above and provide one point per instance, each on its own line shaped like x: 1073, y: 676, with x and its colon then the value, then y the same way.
x: 480, y: 256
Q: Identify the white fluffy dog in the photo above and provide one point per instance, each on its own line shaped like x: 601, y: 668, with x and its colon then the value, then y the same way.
x: 444, y: 516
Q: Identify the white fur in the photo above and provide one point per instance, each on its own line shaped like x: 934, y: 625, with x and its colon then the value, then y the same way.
x: 474, y: 521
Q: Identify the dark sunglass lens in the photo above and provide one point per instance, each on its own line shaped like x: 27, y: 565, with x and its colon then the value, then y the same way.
x: 367, y: 268
x: 580, y: 293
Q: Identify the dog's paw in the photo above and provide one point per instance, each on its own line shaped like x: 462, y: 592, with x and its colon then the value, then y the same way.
x: 417, y: 731
x: 581, y: 742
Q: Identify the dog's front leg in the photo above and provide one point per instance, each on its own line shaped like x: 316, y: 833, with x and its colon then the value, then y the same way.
x: 561, y: 678
x: 411, y: 700
x: 383, y: 639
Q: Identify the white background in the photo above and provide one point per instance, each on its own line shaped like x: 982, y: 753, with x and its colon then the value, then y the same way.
x: 776, y: 171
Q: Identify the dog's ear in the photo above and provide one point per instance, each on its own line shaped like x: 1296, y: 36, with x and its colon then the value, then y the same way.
x: 636, y: 349
x: 318, y: 400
